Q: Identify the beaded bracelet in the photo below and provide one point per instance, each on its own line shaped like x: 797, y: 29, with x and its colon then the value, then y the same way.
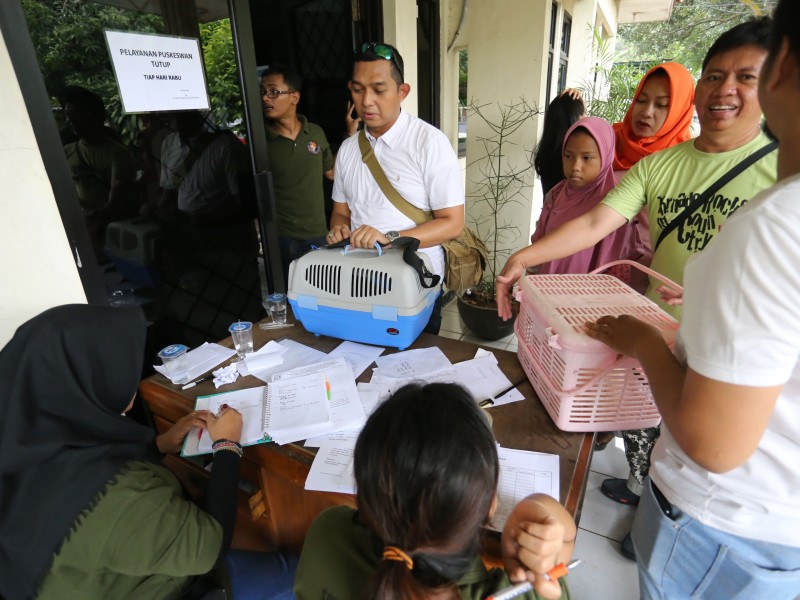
x: 227, y: 445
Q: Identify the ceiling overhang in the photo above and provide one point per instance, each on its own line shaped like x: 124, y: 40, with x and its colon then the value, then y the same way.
x: 643, y: 11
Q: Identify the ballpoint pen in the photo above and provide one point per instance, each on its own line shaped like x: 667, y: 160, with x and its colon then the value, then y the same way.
x: 490, y: 401
x: 517, y: 590
x: 194, y: 383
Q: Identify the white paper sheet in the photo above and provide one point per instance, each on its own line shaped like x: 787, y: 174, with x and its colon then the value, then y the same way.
x: 268, y: 356
x: 201, y: 360
x: 346, y: 411
x: 412, y: 363
x: 345, y: 435
x: 358, y: 356
x: 370, y: 398
x: 481, y: 376
x: 513, y: 395
x: 523, y: 473
x: 332, y: 469
x: 294, y: 355
x: 297, y: 402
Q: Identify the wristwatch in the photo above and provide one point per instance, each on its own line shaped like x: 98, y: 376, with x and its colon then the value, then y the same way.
x: 391, y: 236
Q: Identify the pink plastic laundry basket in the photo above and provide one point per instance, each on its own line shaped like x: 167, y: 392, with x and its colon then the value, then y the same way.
x: 582, y: 383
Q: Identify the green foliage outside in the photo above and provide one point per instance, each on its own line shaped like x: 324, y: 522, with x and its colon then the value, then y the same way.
x: 691, y: 30
x: 222, y: 75
x: 71, y: 49
x: 610, y: 86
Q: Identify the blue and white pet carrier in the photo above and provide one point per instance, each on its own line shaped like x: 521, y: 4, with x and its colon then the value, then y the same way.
x: 361, y: 295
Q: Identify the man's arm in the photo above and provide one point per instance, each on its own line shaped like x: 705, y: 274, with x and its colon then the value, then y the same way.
x: 447, y: 224
x: 340, y: 222
x: 718, y: 425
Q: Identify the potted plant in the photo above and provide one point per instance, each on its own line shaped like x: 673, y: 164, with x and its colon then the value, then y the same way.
x: 500, y: 182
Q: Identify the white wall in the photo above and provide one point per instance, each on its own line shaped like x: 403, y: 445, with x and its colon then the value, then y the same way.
x: 400, y: 30
x: 37, y: 267
x: 507, y: 62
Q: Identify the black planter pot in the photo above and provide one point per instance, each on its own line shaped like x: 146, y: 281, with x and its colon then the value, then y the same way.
x: 484, y: 321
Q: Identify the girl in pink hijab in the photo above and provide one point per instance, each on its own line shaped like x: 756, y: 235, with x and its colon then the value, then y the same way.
x: 588, y: 159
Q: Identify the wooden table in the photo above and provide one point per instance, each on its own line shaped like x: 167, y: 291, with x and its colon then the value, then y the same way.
x: 280, y: 510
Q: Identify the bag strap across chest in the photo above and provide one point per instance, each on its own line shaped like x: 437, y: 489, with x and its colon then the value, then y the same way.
x: 417, y: 215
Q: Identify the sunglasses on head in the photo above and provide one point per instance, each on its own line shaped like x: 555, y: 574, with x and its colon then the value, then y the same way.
x: 381, y: 51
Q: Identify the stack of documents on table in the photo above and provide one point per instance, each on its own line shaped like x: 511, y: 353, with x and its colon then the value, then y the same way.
x: 481, y: 375
x: 201, y: 360
x: 332, y: 470
x: 305, y: 402
x: 290, y: 417
x: 522, y: 473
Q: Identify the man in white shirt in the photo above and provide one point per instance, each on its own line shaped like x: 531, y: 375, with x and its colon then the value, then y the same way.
x: 417, y: 158
x: 720, y: 514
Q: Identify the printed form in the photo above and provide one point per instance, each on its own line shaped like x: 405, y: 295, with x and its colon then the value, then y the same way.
x: 332, y: 469
x: 523, y: 473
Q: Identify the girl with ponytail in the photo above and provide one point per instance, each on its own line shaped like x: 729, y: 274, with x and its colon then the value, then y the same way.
x: 426, y: 470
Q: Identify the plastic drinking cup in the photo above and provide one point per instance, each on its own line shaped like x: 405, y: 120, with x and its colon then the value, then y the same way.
x: 242, y: 335
x: 277, y: 308
x: 174, y: 359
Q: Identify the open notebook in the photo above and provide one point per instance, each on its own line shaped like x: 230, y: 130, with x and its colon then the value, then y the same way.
x: 301, y: 403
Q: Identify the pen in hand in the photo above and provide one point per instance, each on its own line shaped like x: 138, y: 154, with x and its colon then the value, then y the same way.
x: 517, y: 590
x: 216, y: 416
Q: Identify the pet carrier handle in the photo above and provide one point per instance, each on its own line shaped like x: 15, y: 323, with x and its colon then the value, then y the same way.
x: 377, y: 247
x: 650, y: 272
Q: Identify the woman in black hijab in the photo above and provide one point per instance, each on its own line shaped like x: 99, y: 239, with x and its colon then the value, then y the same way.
x: 86, y: 510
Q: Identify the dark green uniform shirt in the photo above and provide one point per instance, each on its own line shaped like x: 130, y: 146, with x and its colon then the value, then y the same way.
x: 339, y: 558
x: 297, y: 169
x: 140, y: 540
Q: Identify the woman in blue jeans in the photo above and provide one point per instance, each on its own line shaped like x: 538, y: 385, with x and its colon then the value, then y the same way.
x: 88, y: 510
x: 720, y: 514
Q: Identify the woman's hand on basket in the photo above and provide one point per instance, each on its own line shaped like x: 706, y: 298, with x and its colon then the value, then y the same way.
x: 625, y: 334
x: 670, y: 296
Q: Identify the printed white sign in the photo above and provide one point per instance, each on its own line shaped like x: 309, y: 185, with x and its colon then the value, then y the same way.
x: 157, y: 72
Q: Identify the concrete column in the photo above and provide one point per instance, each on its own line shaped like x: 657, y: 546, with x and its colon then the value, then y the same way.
x: 400, y: 30
x: 507, y: 44
x: 38, y: 269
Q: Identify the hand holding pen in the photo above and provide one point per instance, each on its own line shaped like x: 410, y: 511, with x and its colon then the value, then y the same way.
x: 538, y: 537
x: 225, y: 425
x: 553, y: 574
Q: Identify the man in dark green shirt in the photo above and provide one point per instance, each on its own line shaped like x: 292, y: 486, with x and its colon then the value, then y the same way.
x: 299, y: 157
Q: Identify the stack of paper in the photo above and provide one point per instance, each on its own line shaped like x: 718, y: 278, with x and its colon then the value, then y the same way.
x: 201, y: 360
x: 522, y: 473
x: 341, y: 394
x: 481, y: 375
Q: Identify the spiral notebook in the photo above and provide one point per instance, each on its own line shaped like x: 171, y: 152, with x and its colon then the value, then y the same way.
x: 287, y: 407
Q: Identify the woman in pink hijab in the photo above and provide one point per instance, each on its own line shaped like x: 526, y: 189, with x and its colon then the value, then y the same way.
x: 588, y: 159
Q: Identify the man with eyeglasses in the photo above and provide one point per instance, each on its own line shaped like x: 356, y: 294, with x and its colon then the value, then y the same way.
x: 417, y: 158
x: 299, y: 157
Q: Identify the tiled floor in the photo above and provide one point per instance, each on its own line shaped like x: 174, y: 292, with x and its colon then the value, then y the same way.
x: 604, y: 574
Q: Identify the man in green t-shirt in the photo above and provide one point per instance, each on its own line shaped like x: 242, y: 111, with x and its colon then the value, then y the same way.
x: 664, y: 183
x: 299, y: 157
